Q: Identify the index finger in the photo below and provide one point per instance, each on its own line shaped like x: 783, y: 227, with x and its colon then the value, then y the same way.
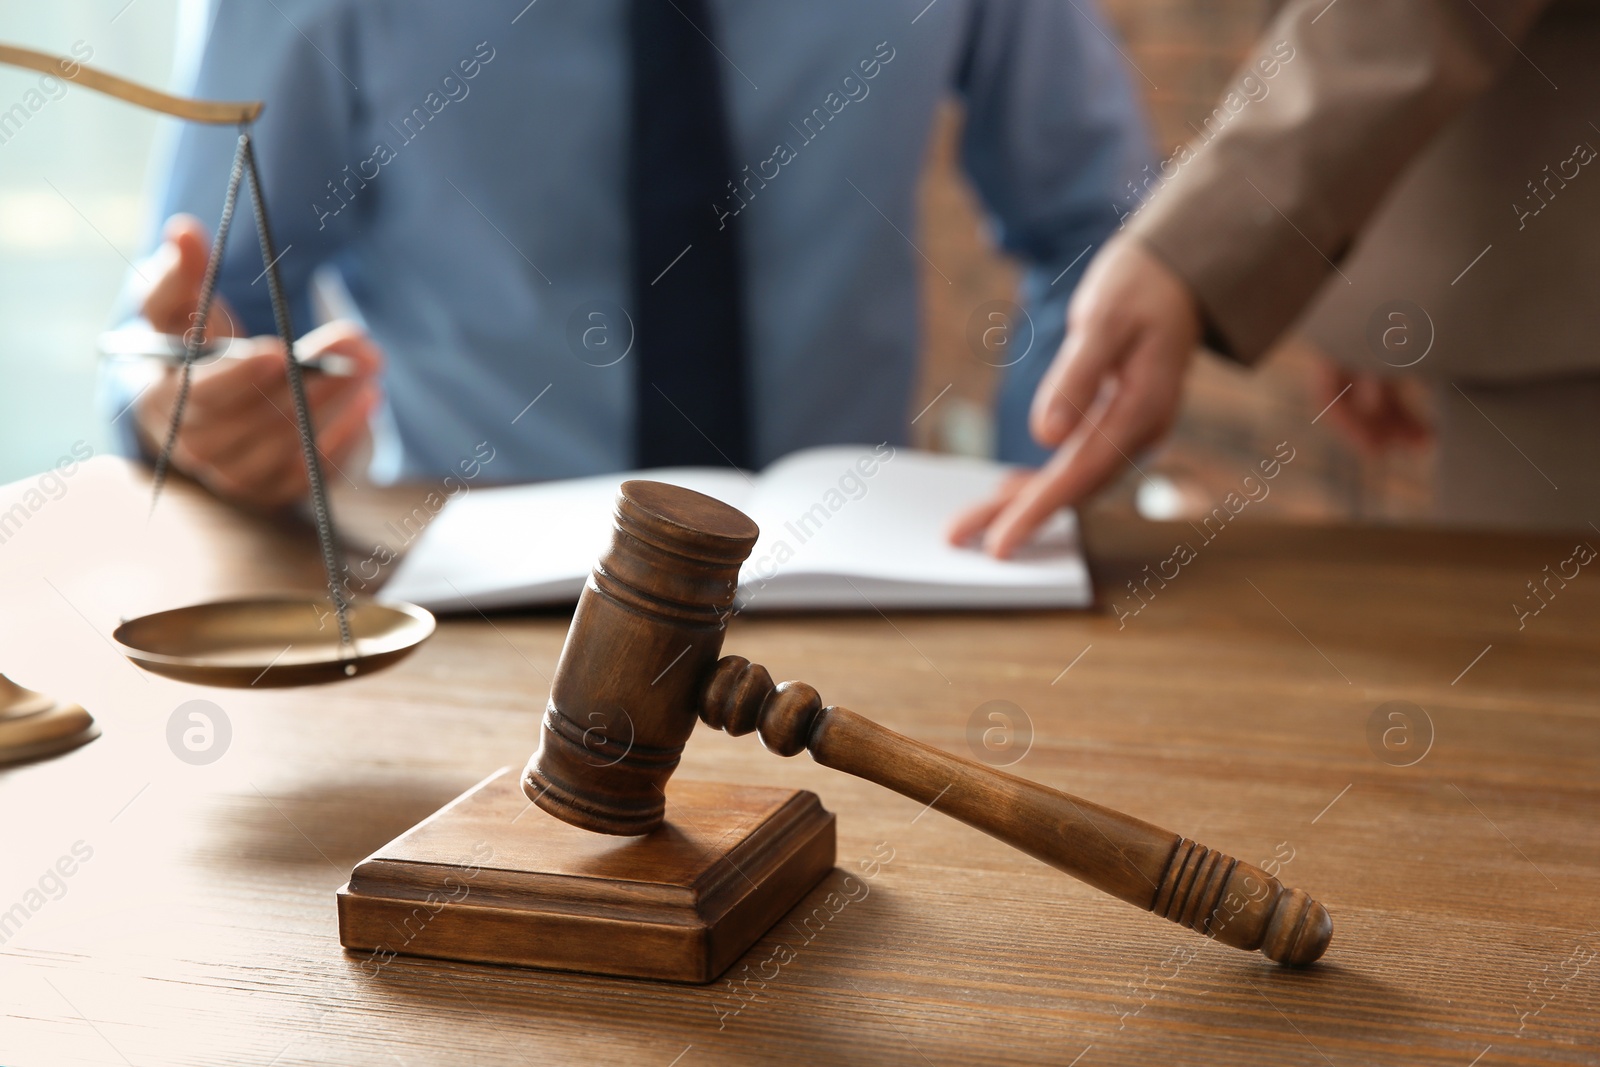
x: 1073, y: 380
x: 1083, y: 464
x: 1091, y: 456
x: 976, y: 518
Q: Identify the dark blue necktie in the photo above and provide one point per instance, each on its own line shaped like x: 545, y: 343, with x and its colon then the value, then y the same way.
x: 686, y: 280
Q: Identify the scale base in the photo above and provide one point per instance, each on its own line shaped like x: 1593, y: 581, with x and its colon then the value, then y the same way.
x: 33, y: 726
x: 490, y: 878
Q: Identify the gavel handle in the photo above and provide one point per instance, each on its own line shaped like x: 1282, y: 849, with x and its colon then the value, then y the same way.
x: 1212, y: 893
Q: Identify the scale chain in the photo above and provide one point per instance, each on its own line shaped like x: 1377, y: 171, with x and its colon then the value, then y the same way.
x: 244, y: 161
x: 297, y: 390
x: 195, y: 337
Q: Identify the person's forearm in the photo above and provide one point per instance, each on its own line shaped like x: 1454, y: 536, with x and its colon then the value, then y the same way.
x: 1256, y: 212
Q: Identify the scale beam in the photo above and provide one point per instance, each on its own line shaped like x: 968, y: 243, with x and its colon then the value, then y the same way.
x: 219, y: 112
x: 236, y: 643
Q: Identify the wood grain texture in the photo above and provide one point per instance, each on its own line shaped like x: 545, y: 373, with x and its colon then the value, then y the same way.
x: 1236, y: 704
x: 490, y: 878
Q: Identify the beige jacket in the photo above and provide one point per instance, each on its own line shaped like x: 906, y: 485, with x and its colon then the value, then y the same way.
x: 1439, y: 152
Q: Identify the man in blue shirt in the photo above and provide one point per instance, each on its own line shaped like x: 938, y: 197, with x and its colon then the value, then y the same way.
x: 472, y: 172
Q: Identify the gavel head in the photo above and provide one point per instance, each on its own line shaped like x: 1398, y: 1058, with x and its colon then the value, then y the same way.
x: 647, y: 632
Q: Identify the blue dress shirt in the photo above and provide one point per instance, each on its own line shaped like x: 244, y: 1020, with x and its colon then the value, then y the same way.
x: 461, y: 165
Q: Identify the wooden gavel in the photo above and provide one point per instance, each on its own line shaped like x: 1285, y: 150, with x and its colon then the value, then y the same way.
x: 640, y: 662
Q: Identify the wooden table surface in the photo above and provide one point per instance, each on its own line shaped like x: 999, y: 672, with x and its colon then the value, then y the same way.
x: 1240, y: 706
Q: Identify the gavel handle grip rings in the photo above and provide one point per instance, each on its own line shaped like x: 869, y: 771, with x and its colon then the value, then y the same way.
x: 1213, y: 894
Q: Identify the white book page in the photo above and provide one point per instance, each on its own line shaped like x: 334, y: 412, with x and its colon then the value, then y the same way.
x: 850, y: 527
x: 528, y: 544
x: 858, y: 526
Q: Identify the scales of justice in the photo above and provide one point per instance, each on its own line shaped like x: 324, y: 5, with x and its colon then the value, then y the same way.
x: 585, y: 860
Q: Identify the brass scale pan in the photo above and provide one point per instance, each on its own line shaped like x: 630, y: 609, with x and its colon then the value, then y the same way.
x: 264, y: 641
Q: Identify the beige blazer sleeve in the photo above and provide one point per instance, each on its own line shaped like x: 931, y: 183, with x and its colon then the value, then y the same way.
x: 1335, y: 100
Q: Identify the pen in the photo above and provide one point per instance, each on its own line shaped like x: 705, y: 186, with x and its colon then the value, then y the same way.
x: 169, y: 349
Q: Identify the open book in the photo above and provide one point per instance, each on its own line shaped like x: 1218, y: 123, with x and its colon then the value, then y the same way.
x: 847, y: 527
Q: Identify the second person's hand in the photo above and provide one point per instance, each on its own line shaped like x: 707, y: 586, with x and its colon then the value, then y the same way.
x: 1113, y: 389
x: 1375, y: 416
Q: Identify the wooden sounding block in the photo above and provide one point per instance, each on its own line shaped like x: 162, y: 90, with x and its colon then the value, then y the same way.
x: 490, y: 878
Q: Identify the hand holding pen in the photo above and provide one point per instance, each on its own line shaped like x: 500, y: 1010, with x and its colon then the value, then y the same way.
x: 238, y: 436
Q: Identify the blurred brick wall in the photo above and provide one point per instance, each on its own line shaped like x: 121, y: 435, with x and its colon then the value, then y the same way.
x: 1183, y: 52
